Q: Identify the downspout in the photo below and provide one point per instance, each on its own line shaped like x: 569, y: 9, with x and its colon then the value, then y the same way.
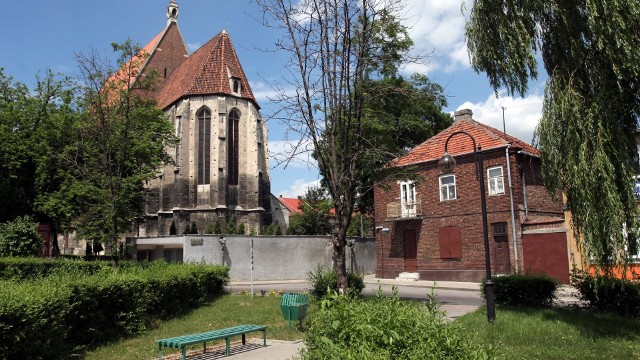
x: 513, y: 216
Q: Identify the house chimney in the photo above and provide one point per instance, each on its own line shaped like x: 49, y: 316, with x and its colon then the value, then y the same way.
x: 464, y: 114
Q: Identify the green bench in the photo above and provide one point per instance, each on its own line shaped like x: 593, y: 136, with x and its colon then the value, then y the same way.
x: 181, y: 342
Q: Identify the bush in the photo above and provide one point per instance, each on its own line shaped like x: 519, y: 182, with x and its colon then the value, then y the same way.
x: 322, y: 280
x: 52, y: 317
x: 20, y: 238
x: 522, y: 289
x: 605, y: 293
x: 383, y: 328
x: 13, y: 268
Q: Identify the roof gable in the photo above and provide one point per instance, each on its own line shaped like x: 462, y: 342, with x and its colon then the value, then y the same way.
x: 205, y: 72
x: 485, y: 136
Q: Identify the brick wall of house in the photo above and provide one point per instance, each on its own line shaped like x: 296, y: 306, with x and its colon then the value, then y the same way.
x: 463, y: 212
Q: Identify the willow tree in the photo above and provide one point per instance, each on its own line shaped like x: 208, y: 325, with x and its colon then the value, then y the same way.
x: 334, y: 46
x: 592, y: 102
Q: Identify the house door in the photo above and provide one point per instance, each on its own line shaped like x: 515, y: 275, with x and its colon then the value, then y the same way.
x: 502, y: 259
x: 410, y: 250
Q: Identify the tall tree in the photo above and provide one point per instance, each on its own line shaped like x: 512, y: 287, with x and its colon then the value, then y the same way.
x: 121, y: 143
x: 591, y: 108
x: 335, y: 46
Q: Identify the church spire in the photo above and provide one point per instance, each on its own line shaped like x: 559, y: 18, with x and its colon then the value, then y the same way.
x: 172, y: 11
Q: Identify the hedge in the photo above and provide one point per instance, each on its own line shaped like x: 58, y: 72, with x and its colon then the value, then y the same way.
x: 31, y: 268
x: 522, y: 289
x: 609, y: 294
x: 57, y: 316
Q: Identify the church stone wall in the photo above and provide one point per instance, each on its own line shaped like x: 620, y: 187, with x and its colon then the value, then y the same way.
x: 176, y: 196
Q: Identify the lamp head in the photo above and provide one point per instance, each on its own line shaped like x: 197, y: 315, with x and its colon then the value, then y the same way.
x: 447, y: 164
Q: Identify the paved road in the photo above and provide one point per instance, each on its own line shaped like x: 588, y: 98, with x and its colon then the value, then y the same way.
x: 456, y: 298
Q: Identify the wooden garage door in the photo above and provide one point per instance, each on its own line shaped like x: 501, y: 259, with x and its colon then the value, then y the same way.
x: 546, y: 253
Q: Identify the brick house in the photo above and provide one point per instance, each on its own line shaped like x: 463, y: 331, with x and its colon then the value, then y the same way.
x: 431, y: 228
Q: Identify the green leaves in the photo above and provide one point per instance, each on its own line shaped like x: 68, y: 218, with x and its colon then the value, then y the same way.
x: 589, y: 122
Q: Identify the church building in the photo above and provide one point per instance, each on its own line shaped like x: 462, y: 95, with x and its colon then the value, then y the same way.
x: 221, y: 167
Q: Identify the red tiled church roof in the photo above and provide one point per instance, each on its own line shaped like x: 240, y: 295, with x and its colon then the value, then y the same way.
x: 486, y: 136
x: 206, y: 72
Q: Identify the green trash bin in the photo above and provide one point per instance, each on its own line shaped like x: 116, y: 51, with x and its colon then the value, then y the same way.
x: 294, y: 307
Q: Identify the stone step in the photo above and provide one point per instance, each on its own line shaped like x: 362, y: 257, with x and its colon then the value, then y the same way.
x: 406, y: 276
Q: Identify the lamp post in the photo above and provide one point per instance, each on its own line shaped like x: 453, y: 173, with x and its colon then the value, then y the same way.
x: 447, y: 165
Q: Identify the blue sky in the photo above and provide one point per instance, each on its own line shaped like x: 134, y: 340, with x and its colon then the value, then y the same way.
x: 38, y: 35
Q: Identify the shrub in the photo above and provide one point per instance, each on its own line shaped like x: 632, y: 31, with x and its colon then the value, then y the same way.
x: 522, y: 289
x: 20, y: 238
x: 241, y: 229
x: 217, y: 227
x: 13, y: 268
x: 209, y: 229
x: 383, y: 328
x: 322, y: 280
x: 52, y: 317
x: 605, y: 293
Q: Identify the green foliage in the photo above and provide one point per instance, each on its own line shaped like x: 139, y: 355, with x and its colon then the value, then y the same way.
x: 591, y: 107
x: 384, y: 328
x: 172, y: 229
x: 16, y: 269
x: 231, y: 227
x: 274, y: 229
x: 315, y: 215
x: 522, y: 289
x: 20, y: 238
x: 58, y: 315
x: 119, y: 142
x: 193, y: 228
x: 217, y: 227
x: 361, y: 226
x: 241, y: 229
x: 606, y: 293
x: 325, y: 281
x: 209, y: 229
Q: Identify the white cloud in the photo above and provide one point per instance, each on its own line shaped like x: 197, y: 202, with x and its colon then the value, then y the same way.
x: 522, y: 114
x: 298, y: 188
x: 437, y: 26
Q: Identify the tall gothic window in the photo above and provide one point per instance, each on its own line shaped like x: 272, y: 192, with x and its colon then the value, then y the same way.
x: 232, y: 147
x: 204, y: 146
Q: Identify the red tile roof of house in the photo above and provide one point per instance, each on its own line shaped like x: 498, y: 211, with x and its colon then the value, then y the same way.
x: 292, y: 204
x: 486, y: 136
x: 206, y: 72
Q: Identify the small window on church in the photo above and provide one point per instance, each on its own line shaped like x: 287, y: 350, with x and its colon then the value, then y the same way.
x: 236, y: 86
x: 165, y: 73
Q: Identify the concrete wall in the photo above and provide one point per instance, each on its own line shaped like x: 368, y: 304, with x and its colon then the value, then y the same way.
x: 274, y: 257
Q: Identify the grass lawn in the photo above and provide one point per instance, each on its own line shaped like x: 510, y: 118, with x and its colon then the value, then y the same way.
x: 225, y: 311
x: 556, y: 333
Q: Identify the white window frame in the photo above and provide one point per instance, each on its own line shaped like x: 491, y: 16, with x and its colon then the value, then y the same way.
x: 408, y: 198
x: 495, y: 183
x: 448, y: 188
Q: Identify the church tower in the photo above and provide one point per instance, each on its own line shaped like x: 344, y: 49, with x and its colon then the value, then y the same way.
x: 221, y: 170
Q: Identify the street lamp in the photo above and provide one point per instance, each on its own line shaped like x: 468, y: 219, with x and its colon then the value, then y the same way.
x: 447, y: 164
